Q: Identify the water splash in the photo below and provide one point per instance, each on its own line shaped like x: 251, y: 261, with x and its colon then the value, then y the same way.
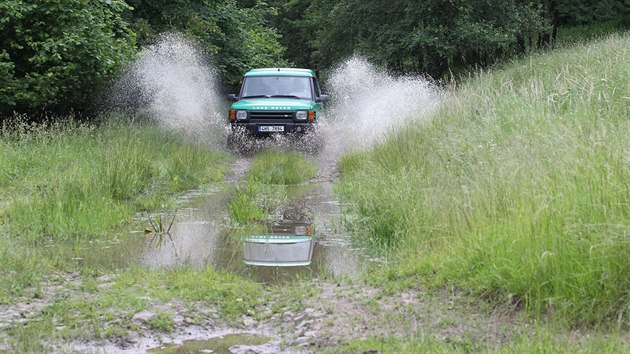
x: 173, y: 84
x: 367, y: 104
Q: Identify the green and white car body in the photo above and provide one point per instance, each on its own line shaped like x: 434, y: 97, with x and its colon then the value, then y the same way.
x: 278, y: 250
x: 287, y: 242
x: 277, y: 100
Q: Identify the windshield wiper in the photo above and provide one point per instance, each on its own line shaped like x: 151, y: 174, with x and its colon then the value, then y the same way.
x: 287, y: 96
x: 256, y: 96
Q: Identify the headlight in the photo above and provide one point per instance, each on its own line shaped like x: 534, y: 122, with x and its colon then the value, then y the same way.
x: 241, y: 115
x: 301, y: 115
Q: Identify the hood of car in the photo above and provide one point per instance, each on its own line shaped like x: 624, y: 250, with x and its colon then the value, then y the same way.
x: 273, y: 104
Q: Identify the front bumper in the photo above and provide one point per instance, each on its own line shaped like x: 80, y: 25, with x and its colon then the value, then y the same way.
x: 261, y: 128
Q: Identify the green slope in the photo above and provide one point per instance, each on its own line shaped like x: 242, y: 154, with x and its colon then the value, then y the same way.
x: 519, y: 187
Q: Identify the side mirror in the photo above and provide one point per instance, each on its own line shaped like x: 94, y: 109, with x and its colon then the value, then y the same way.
x: 321, y: 98
x: 232, y: 97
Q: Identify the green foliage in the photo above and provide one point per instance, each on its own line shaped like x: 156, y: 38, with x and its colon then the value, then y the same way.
x: 583, y: 12
x: 298, y: 22
x: 572, y: 34
x: 162, y: 321
x: 407, y: 36
x: 517, y: 188
x: 237, y: 38
x: 281, y: 167
x: 245, y: 207
x: 56, y: 54
x: 431, y: 37
x: 78, y: 180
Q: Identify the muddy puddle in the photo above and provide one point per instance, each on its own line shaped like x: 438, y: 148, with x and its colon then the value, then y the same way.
x: 227, y: 344
x: 302, y: 238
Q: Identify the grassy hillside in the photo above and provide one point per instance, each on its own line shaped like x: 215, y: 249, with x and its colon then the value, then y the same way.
x: 518, y: 189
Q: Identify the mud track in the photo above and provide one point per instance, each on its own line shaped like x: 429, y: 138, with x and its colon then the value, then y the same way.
x: 326, y: 313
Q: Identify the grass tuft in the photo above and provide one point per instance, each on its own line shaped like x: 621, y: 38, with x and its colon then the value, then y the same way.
x: 245, y: 207
x: 270, y: 173
x: 281, y: 167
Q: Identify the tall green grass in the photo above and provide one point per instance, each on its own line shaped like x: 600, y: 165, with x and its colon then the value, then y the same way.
x: 78, y: 180
x: 539, y: 340
x: 68, y: 181
x: 280, y: 167
x: 519, y: 187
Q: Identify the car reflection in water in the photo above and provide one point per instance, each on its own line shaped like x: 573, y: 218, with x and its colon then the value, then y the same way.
x: 301, y: 239
x: 288, y: 242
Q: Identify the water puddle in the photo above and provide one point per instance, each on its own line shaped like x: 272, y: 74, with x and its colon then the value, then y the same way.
x: 194, y: 239
x: 228, y: 344
x: 288, y: 242
x: 112, y: 251
x: 302, y: 239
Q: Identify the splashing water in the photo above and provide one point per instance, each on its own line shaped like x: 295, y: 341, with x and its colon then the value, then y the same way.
x: 173, y: 85
x: 367, y: 104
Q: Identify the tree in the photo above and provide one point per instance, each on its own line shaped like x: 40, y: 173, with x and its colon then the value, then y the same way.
x: 431, y: 36
x: 237, y: 38
x: 55, y: 55
x: 581, y: 12
x: 297, y: 30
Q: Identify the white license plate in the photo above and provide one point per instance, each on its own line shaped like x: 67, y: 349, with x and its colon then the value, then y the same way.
x: 271, y: 128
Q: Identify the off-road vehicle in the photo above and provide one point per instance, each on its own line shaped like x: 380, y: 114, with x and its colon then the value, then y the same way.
x: 276, y: 101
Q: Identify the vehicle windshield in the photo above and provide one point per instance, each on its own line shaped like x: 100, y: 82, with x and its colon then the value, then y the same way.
x: 277, y: 86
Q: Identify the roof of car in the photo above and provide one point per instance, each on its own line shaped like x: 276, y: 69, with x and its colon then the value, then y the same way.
x: 281, y: 72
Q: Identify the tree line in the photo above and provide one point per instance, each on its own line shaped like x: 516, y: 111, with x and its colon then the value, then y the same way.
x: 434, y: 37
x: 55, y: 55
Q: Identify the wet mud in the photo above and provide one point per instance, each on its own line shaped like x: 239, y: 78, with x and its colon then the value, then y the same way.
x: 305, y: 225
x: 227, y: 344
x: 303, y: 239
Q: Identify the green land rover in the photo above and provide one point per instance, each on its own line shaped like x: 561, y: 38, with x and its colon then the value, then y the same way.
x: 278, y: 100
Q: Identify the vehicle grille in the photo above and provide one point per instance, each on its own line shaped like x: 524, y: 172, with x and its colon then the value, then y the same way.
x: 271, y: 115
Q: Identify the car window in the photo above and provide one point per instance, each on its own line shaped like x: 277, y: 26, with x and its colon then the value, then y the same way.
x: 316, y: 86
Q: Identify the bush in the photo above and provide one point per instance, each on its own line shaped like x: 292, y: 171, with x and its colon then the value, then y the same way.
x: 57, y: 54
